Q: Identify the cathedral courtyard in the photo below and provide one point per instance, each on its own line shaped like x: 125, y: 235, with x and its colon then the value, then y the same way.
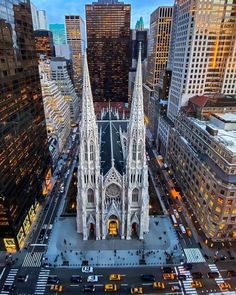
x: 67, y: 248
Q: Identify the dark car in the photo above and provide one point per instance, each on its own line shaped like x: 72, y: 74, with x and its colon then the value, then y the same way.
x: 46, y: 207
x: 22, y: 278
x: 53, y: 280
x: 231, y: 273
x: 9, y: 288
x: 182, y: 277
x: 42, y: 233
x: 196, y: 275
x: 88, y: 288
x: 76, y: 279
x: 188, y: 266
x: 167, y: 269
x: 212, y: 274
x: 148, y: 278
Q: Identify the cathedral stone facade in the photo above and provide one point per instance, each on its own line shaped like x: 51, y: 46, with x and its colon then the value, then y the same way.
x: 112, y: 195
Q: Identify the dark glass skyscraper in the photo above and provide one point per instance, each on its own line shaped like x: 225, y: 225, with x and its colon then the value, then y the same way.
x: 108, y: 37
x: 44, y: 43
x: 24, y: 158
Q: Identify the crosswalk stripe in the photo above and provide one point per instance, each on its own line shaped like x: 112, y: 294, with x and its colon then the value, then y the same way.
x: 32, y: 259
x: 9, y: 279
x: 187, y: 283
x: 194, y: 255
x: 42, y: 282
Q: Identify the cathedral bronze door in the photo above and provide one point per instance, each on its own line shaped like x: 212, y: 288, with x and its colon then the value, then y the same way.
x: 113, y: 226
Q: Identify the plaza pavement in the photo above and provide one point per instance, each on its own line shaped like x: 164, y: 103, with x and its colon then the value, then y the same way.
x: 66, y: 247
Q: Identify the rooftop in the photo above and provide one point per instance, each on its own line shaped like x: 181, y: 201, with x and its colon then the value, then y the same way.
x: 111, y: 149
x: 227, y: 138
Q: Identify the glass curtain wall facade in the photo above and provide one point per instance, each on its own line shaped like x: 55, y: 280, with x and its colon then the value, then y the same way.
x: 59, y: 33
x: 75, y: 33
x: 108, y: 37
x: 24, y: 156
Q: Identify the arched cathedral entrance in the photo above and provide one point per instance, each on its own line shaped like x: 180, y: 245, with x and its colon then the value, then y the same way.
x: 113, y: 226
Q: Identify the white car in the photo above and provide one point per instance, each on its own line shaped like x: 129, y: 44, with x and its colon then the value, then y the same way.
x: 87, y: 269
x: 92, y: 279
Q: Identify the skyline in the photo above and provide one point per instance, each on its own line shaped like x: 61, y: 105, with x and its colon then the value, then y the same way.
x: 57, y: 9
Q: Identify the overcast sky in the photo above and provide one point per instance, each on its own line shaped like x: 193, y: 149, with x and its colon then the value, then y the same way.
x: 56, y: 9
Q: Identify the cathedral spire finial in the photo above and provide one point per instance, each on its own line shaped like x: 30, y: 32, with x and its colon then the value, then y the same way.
x: 88, y: 120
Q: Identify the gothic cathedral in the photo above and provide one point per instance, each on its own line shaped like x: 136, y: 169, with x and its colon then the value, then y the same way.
x: 112, y: 195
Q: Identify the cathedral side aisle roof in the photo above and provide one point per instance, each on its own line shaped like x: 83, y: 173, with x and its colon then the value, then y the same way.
x: 111, y: 148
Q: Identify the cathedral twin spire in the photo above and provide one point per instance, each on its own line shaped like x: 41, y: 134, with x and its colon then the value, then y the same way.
x: 88, y: 119
x: 137, y: 115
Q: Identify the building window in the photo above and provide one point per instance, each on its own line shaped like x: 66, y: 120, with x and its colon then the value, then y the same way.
x: 140, y: 151
x: 134, y: 148
x: 91, y: 149
x: 85, y: 151
x: 135, y: 194
x: 90, y: 196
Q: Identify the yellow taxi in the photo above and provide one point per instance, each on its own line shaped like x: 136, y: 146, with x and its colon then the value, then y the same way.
x: 196, y: 284
x: 158, y: 285
x: 57, y: 288
x: 169, y: 276
x: 110, y: 288
x: 115, y: 277
x: 189, y: 232
x: 224, y: 286
x: 136, y: 290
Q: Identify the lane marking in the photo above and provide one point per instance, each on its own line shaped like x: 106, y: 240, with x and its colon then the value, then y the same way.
x: 2, y: 272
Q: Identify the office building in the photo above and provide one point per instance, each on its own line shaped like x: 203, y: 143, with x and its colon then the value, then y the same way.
x: 158, y: 52
x: 202, y: 51
x: 108, y: 38
x: 56, y: 109
x: 75, y: 33
x: 44, y: 44
x: 59, y: 33
x: 24, y: 156
x: 39, y: 18
x: 112, y: 172
x: 60, y: 75
x: 137, y: 36
x: 42, y: 19
x: 62, y: 51
x: 202, y: 155
x: 158, y: 46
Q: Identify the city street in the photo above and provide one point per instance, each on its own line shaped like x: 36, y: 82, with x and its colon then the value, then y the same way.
x: 29, y: 263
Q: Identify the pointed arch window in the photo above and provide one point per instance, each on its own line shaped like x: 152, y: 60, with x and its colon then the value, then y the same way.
x: 85, y: 151
x: 91, y: 151
x: 90, y: 196
x: 140, y: 151
x: 134, y: 149
x: 135, y: 194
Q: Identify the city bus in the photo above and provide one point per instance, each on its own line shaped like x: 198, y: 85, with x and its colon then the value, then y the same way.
x: 175, y: 223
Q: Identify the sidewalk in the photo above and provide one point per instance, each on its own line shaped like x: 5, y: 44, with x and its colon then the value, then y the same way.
x: 66, y: 247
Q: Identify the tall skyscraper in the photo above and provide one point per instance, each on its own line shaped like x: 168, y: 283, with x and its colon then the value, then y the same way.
x: 158, y: 52
x: 158, y: 47
x: 203, y: 49
x: 44, y: 43
x: 75, y: 33
x: 24, y: 155
x: 108, y: 37
x: 59, y: 33
x: 39, y: 18
x: 59, y: 73
x: 42, y: 19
